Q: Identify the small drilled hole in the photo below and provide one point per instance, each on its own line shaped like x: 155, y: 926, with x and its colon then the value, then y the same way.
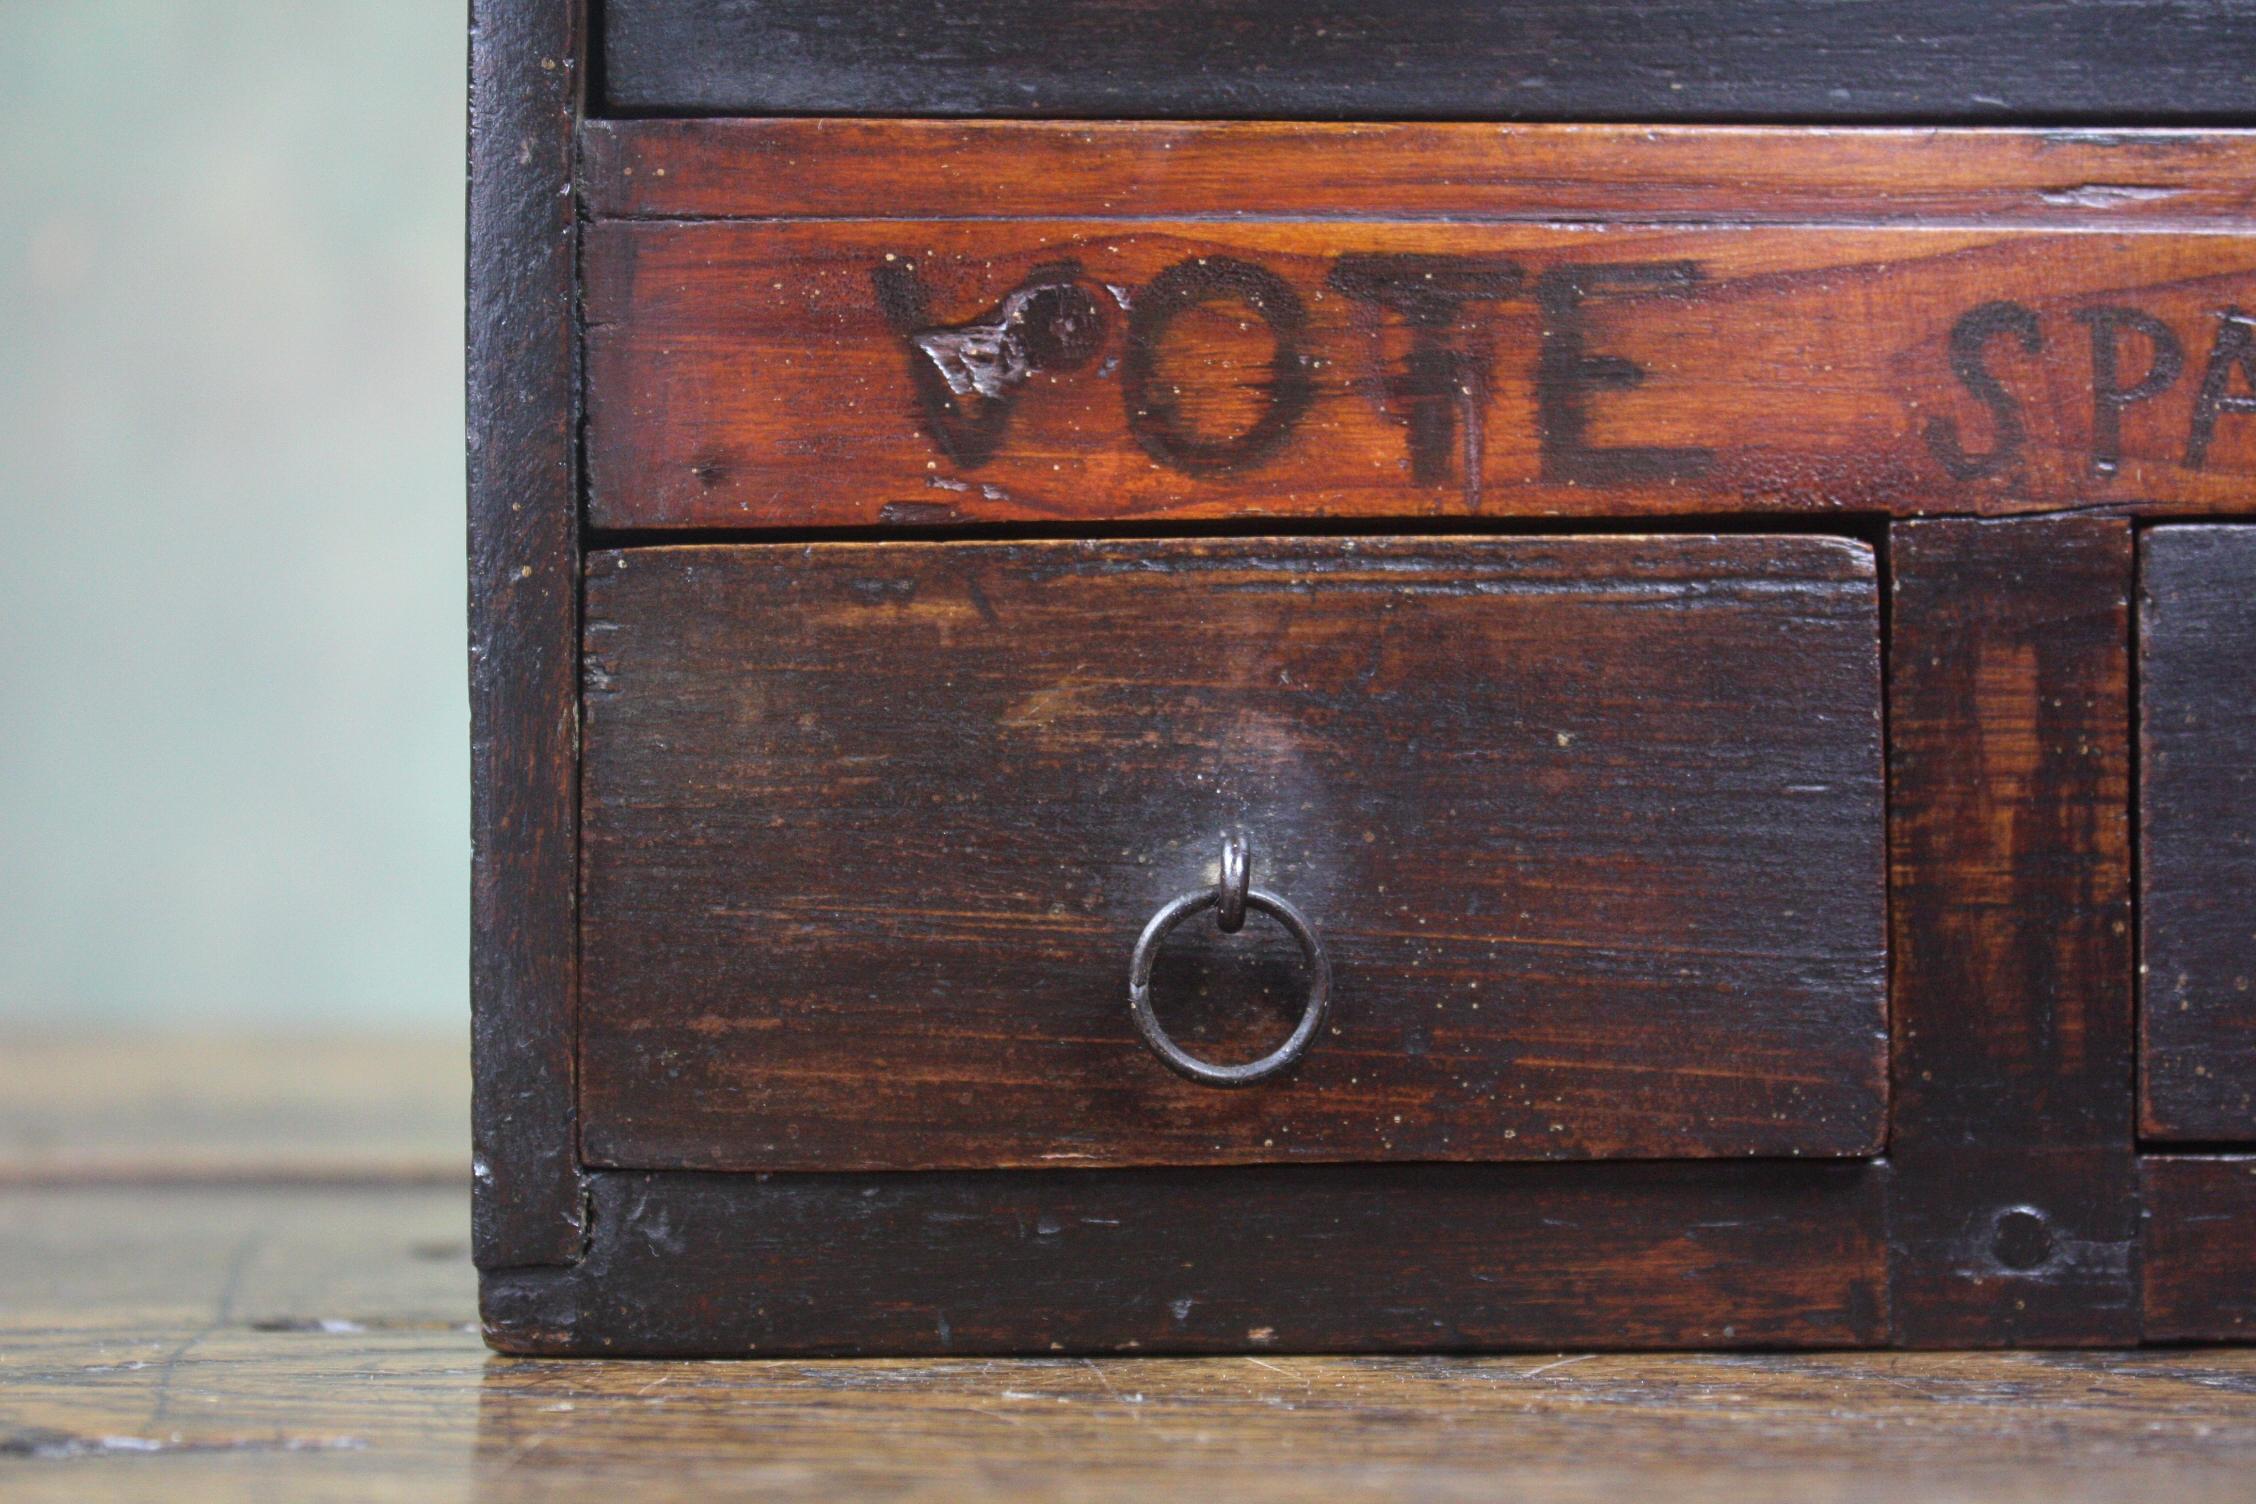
x: 2021, y: 1238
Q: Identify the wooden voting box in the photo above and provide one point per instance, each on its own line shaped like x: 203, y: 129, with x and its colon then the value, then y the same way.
x: 1366, y: 681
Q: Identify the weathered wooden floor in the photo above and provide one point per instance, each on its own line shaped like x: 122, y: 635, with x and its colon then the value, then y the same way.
x: 192, y: 1321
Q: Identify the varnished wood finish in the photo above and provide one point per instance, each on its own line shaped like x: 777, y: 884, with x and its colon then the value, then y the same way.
x: 1591, y: 828
x: 845, y: 168
x: 2013, y: 1208
x: 2197, y: 831
x: 1100, y: 356
x: 2200, y: 1255
x: 1291, y: 1259
x: 1931, y: 60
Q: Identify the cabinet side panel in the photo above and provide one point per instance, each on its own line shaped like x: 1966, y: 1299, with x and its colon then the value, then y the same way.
x: 524, y: 608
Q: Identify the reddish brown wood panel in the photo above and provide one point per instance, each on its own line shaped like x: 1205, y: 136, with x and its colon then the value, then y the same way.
x: 1285, y: 1259
x: 2200, y: 1255
x: 793, y: 372
x: 847, y: 168
x: 2014, y: 1212
x: 2197, y: 832
x: 1592, y: 828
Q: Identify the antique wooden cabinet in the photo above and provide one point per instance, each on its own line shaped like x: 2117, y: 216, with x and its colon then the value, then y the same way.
x: 1203, y: 678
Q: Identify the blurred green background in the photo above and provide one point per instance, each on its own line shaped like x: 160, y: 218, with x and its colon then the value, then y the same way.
x: 233, y: 747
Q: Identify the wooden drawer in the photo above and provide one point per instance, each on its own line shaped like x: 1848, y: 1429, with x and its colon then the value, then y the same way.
x: 2197, y: 833
x: 1590, y: 828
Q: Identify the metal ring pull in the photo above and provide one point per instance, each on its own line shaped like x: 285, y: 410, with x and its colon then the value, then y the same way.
x: 1232, y: 894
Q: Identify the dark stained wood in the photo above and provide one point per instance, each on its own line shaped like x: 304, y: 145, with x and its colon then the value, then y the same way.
x: 524, y: 616
x: 1929, y: 60
x: 1117, y: 328
x: 760, y: 373
x: 2013, y: 1209
x: 2200, y: 1254
x: 708, y: 169
x: 2197, y: 832
x: 1291, y: 1259
x: 1592, y: 828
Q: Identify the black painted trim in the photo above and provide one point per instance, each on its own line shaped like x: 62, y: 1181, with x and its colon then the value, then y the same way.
x: 2118, y: 62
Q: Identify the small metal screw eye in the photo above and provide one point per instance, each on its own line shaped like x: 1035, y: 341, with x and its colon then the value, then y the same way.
x: 1233, y: 878
x: 1233, y: 893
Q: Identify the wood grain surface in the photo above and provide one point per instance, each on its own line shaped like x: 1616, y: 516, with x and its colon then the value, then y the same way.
x: 2197, y: 832
x: 764, y: 372
x: 2013, y: 1200
x: 1298, y: 1258
x: 524, y: 560
x: 847, y: 168
x: 1541, y: 59
x: 290, y: 1343
x: 1591, y: 827
x: 1998, y: 352
x: 164, y: 1108
x: 2200, y: 1264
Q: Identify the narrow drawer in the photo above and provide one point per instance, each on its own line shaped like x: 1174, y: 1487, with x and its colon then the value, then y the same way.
x: 2197, y: 833
x: 1589, y: 830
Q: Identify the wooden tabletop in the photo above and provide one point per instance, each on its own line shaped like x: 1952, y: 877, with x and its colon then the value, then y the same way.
x: 241, y: 1271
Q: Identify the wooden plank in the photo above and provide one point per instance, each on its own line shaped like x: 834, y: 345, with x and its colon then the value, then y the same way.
x: 1928, y: 60
x: 824, y: 373
x: 2013, y: 1208
x: 1299, y: 1259
x: 236, y: 1342
x: 2197, y: 833
x: 285, y: 1344
x: 123, y: 1265
x: 160, y: 1108
x: 524, y: 618
x: 2200, y: 1254
x: 1592, y: 829
x: 845, y: 168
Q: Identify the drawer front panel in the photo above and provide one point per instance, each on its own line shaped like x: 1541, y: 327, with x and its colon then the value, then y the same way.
x: 1591, y: 828
x: 2197, y: 805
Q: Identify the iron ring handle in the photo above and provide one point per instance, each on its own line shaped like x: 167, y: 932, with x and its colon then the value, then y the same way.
x: 1233, y: 886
